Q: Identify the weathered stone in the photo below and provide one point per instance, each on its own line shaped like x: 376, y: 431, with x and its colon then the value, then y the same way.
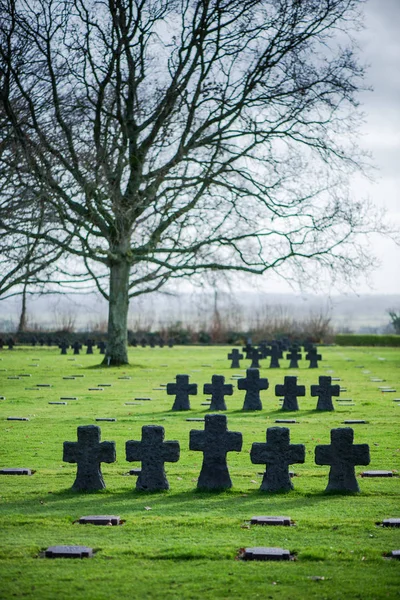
x: 88, y: 452
x: 62, y: 403
x: 68, y: 552
x: 100, y: 520
x: 275, y: 353
x: 325, y: 390
x: 264, y: 553
x: 294, y: 356
x: 143, y: 399
x: 112, y: 419
x: 391, y: 522
x: 68, y: 398
x: 215, y: 441
x: 15, y: 472
x: 377, y: 473
x: 313, y: 357
x: 235, y: 356
x: 252, y: 384
x: 255, y: 357
x: 218, y: 390
x: 152, y: 452
x: 17, y: 419
x: 96, y: 389
x: 290, y: 390
x: 277, y: 454
x: 286, y: 521
x: 395, y: 554
x: 285, y: 421
x: 182, y: 389
x: 354, y: 422
x: 342, y: 456
x: 197, y: 419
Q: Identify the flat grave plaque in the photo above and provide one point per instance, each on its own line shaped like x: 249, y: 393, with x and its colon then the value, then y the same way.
x: 199, y: 419
x: 77, y: 375
x: 395, y: 554
x: 17, y: 419
x: 391, y: 522
x: 96, y: 389
x: 68, y: 397
x: 103, y: 385
x: 205, y: 403
x: 336, y: 379
x: 354, y: 421
x: 132, y: 404
x: 286, y: 421
x: 388, y: 390
x: 68, y: 552
x: 43, y: 385
x: 31, y: 389
x: 159, y: 389
x: 63, y: 403
x: 124, y: 377
x: 135, y: 472
x: 15, y: 472
x: 13, y: 377
x: 271, y: 521
x: 377, y: 474
x: 24, y: 375
x: 264, y: 553
x: 377, y: 380
x: 143, y: 399
x: 100, y: 520
x: 70, y: 378
x: 105, y: 419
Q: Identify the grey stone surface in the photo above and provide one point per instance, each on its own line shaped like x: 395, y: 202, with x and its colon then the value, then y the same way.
x: 100, y: 520
x: 294, y: 356
x: 273, y: 521
x: 112, y: 419
x: 285, y: 421
x: 152, y: 452
x: 275, y: 353
x: 17, y: 419
x: 218, y: 389
x: 277, y: 454
x: 265, y: 553
x: 252, y: 384
x: 395, y: 554
x: 235, y: 356
x: 355, y: 422
x: 15, y: 472
x: 69, y: 552
x: 313, y: 357
x: 290, y: 390
x: 391, y: 522
x: 324, y: 391
x: 377, y: 473
x: 64, y: 347
x: 88, y: 453
x: 342, y: 456
x: 215, y: 441
x: 255, y: 356
x: 182, y: 389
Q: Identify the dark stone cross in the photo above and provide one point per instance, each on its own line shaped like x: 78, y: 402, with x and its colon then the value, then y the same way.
x: 152, y: 452
x: 255, y: 355
x: 89, y: 346
x: 313, y: 357
x: 277, y: 454
x: 290, y: 390
x: 102, y: 347
x: 171, y: 342
x: 215, y: 441
x: 275, y: 353
x: 76, y: 347
x: 143, y: 342
x: 252, y: 384
x: 247, y: 349
x: 64, y: 347
x: 342, y: 456
x: 88, y: 452
x: 161, y: 343
x: 263, y: 349
x: 182, y: 389
x: 235, y: 356
x: 325, y: 390
x: 294, y: 356
x: 10, y: 343
x: 218, y: 389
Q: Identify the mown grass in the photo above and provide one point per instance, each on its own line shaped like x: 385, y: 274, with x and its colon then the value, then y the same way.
x: 183, y: 543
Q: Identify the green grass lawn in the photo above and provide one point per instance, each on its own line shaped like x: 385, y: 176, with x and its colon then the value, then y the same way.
x: 183, y: 543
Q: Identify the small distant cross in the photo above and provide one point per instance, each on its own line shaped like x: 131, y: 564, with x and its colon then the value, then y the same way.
x: 102, y: 347
x: 89, y: 346
x: 277, y: 454
x: 152, y: 452
x: 290, y: 390
x: 215, y: 441
x: 325, y: 390
x: 182, y: 389
x: 313, y: 357
x: 247, y: 349
x: 235, y: 356
x: 255, y: 355
x: 143, y: 342
x: 88, y: 452
x: 342, y: 456
x: 294, y: 356
x: 64, y: 347
x: 76, y: 346
x: 263, y: 349
x: 218, y: 389
x: 275, y: 353
x: 161, y: 343
x: 252, y: 384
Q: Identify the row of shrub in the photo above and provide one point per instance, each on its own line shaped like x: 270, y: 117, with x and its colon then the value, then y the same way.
x: 354, y: 339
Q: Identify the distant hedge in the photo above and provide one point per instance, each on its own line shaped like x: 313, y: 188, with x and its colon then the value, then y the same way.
x: 354, y: 339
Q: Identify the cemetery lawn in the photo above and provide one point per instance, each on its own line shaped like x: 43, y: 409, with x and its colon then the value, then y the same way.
x: 184, y: 543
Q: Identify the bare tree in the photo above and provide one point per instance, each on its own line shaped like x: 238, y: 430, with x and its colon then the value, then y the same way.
x: 165, y: 138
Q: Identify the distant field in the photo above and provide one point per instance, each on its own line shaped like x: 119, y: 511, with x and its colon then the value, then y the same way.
x: 183, y: 543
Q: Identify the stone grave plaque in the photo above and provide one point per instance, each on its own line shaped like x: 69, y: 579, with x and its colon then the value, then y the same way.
x: 69, y: 552
x: 77, y: 376
x: 103, y: 385
x: 143, y: 399
x: 96, y: 389
x: 69, y: 378
x: 132, y: 403
x: 43, y: 385
x: 199, y: 419
x: 17, y: 419
x: 135, y: 472
x: 355, y: 422
x: 100, y: 520
x: 24, y: 375
x: 388, y: 391
x: 106, y: 419
x: 264, y: 553
x: 62, y: 403
x: 13, y: 377
x: 125, y: 377
x: 271, y: 521
x: 285, y: 421
x: 377, y: 474
x: 395, y: 554
x: 68, y: 397
x: 391, y: 522
x: 205, y: 403
x: 15, y: 472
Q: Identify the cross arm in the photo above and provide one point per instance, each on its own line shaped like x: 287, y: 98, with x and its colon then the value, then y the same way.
x: 235, y: 441
x: 69, y: 452
x: 107, y: 452
x: 171, y: 451
x: 323, y: 455
x: 133, y: 450
x: 196, y: 440
x: 361, y: 454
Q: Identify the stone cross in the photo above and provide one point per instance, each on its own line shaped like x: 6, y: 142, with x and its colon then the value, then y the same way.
x: 102, y: 347
x: 215, y: 441
x: 275, y: 353
x: 218, y: 389
x: 313, y: 357
x: 255, y: 356
x: 247, y: 350
x: 182, y: 389
x: 325, y: 390
x: 294, y: 356
x: 277, y: 454
x: 161, y: 343
x: 10, y: 343
x: 76, y: 346
x: 88, y: 452
x: 263, y: 348
x: 342, y: 456
x: 252, y: 384
x: 143, y: 342
x: 171, y: 342
x: 235, y: 356
x: 64, y: 347
x: 152, y: 452
x: 290, y: 390
x: 89, y: 346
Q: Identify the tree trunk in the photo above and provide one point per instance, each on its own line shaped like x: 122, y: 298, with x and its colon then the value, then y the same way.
x: 117, y: 342
x: 23, y: 319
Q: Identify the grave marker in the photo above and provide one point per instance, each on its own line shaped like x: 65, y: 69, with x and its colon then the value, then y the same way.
x: 313, y: 357
x: 290, y: 390
x: 218, y: 390
x: 275, y: 353
x: 274, y: 521
x: 253, y: 385
x: 68, y: 552
x: 265, y: 553
x: 100, y: 520
x: 235, y: 356
x: 324, y: 391
x: 182, y: 389
x: 294, y: 356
